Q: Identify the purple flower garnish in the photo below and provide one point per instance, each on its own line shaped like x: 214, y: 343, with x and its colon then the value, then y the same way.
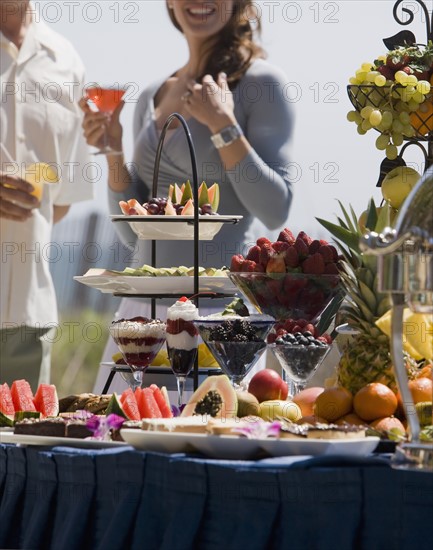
x: 260, y: 430
x: 101, y: 425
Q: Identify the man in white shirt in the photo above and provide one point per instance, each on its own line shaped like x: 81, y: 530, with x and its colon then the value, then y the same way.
x: 41, y: 78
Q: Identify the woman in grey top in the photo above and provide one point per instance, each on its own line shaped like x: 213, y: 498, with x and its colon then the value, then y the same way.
x: 250, y: 102
x: 227, y: 90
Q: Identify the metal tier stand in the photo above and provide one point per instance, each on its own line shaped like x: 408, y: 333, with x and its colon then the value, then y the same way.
x: 370, y: 94
x: 195, y: 221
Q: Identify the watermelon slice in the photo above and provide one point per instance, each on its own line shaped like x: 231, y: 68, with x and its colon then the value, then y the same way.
x: 129, y: 405
x: 22, y: 396
x: 46, y: 400
x: 6, y: 403
x: 148, y: 405
x: 161, y: 401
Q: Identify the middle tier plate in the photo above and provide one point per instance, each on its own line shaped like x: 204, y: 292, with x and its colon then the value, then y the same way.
x: 127, y: 284
x: 175, y: 227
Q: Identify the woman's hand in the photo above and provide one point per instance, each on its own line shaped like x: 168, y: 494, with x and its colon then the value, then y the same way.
x: 211, y: 103
x: 95, y: 124
x: 16, y: 200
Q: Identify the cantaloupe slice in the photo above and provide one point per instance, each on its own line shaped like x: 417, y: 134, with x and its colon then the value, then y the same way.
x: 214, y: 196
x: 188, y: 209
x: 169, y: 209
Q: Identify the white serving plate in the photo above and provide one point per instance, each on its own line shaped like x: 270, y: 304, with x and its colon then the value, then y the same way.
x: 175, y: 227
x: 288, y: 447
x: 184, y: 284
x: 233, y: 447
x: 162, y: 442
x: 24, y: 439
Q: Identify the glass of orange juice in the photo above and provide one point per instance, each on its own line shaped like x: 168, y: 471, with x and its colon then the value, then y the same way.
x: 105, y: 99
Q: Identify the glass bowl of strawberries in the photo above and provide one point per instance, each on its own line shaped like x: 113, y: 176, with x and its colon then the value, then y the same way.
x: 293, y: 277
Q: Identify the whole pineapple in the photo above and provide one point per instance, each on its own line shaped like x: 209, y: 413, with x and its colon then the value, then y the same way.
x: 365, y: 356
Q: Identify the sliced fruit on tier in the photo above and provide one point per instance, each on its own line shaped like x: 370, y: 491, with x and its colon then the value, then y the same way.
x: 178, y: 271
x: 366, y: 355
x: 179, y: 201
x: 215, y: 397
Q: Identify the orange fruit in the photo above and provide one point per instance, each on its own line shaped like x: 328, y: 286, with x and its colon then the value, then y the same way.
x: 375, y: 400
x: 352, y: 419
x: 387, y: 424
x: 421, y: 389
x: 305, y: 399
x: 422, y: 118
x: 333, y: 403
x: 425, y: 372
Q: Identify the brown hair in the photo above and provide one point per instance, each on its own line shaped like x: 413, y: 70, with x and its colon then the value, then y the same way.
x: 234, y: 48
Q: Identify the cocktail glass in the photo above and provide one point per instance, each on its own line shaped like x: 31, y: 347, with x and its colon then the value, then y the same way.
x: 139, y: 341
x: 105, y: 99
x: 299, y: 362
x: 236, y: 356
x: 182, y: 346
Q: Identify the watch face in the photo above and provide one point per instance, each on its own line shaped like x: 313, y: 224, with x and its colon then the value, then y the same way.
x: 227, y: 135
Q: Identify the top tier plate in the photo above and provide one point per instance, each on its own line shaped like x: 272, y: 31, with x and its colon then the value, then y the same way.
x: 175, y: 227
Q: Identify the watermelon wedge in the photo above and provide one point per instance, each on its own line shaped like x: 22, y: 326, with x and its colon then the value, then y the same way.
x: 148, y: 405
x: 46, y: 400
x: 129, y: 405
x: 161, y: 401
x: 6, y: 403
x: 22, y: 396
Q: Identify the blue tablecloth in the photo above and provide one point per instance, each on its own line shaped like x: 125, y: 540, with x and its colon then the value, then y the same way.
x: 64, y: 499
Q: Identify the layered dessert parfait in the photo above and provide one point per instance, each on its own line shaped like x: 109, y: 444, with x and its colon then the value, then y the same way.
x: 182, y: 336
x: 139, y: 339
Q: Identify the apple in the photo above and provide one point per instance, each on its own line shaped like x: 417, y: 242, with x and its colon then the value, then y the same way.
x: 276, y: 408
x: 398, y: 183
x: 267, y: 384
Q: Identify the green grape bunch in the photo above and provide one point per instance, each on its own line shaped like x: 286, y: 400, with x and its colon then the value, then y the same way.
x: 389, y: 91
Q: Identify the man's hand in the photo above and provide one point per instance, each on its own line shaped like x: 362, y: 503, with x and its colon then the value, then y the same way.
x: 16, y: 201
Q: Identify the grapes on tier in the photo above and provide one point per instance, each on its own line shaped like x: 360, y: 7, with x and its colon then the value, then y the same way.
x: 392, y: 96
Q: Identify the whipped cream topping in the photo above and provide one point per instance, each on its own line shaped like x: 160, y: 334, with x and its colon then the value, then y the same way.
x: 182, y: 309
x: 250, y: 318
x: 134, y: 329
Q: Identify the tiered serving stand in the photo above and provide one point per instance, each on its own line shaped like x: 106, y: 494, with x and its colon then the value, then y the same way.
x: 195, y: 222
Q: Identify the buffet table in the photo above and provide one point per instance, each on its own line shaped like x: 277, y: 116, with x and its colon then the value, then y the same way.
x: 117, y: 498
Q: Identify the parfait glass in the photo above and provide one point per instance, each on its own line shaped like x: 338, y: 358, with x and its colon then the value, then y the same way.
x: 105, y: 99
x: 139, y: 341
x: 182, y: 347
x: 299, y: 362
x: 236, y: 344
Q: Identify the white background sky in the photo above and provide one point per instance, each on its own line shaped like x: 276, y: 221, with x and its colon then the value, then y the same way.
x: 319, y: 45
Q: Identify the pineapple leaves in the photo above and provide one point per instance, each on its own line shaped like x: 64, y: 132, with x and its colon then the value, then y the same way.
x: 371, y: 216
x: 351, y: 224
x: 342, y: 234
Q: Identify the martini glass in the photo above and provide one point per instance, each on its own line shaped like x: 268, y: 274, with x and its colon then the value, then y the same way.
x: 105, y: 99
x: 139, y: 341
x: 236, y: 343
x: 299, y: 362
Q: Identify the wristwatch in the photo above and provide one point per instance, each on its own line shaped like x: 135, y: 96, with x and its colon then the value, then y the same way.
x: 227, y: 136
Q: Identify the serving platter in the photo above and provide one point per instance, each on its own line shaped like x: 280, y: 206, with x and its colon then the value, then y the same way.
x: 233, y: 447
x: 24, y: 439
x: 175, y: 227
x: 111, y: 283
